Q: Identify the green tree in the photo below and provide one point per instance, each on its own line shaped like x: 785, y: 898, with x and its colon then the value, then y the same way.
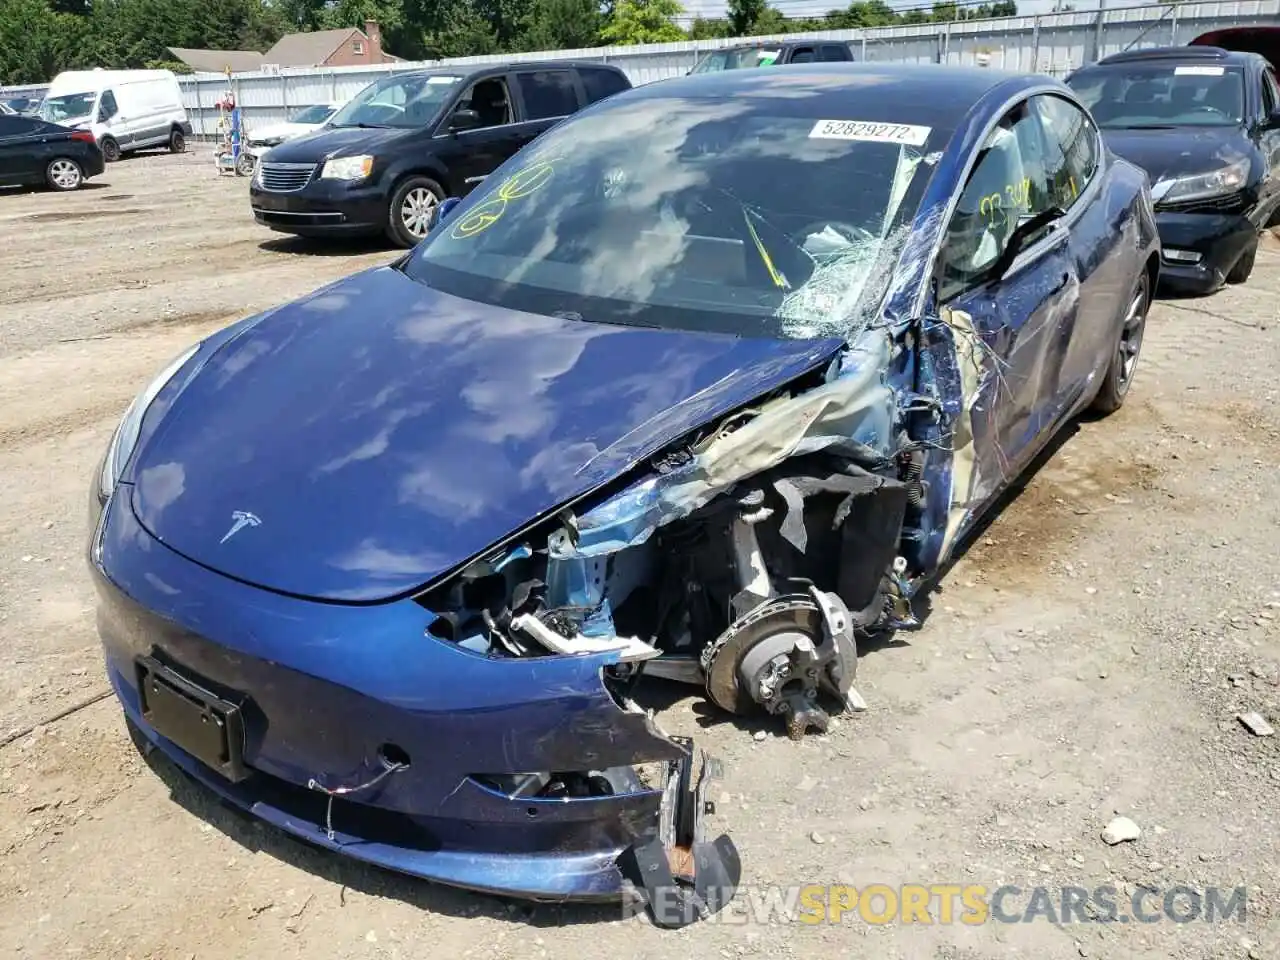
x: 643, y: 21
x: 713, y: 28
x: 772, y: 21
x: 562, y: 25
x: 743, y: 15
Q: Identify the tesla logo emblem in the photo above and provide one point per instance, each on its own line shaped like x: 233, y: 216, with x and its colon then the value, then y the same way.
x: 240, y: 520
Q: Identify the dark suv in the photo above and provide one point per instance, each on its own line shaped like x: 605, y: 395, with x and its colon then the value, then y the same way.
x: 761, y: 54
x: 1204, y: 122
x: 386, y: 159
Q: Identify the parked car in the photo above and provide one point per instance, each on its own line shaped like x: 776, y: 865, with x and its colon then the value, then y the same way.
x: 34, y: 152
x: 307, y: 120
x: 1204, y: 123
x: 126, y: 110
x: 262, y: 138
x: 406, y: 142
x: 628, y: 410
x: 765, y: 54
x: 22, y: 105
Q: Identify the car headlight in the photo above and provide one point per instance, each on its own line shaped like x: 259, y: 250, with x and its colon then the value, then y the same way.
x: 1224, y: 180
x: 347, y: 168
x: 126, y: 435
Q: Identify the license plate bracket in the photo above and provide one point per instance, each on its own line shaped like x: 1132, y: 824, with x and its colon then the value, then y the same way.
x: 197, y: 720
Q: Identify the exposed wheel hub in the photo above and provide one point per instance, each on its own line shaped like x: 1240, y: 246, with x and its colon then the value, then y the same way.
x: 779, y: 655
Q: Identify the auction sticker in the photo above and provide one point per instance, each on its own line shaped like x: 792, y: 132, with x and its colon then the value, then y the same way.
x: 1198, y: 71
x: 903, y: 133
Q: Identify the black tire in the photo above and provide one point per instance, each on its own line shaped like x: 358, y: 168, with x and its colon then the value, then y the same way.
x: 1244, y: 266
x: 64, y: 175
x: 177, y: 142
x: 1124, y: 357
x: 400, y: 225
x: 110, y: 150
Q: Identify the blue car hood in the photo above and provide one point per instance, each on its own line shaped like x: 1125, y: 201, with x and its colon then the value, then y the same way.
x: 361, y: 442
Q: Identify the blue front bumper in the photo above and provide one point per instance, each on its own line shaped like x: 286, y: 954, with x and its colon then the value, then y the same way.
x: 325, y: 688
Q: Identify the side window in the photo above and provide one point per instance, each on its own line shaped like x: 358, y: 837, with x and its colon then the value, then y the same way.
x: 548, y: 94
x: 803, y: 55
x: 107, y: 105
x: 11, y: 126
x: 1071, y: 148
x: 601, y: 83
x: 1270, y: 92
x: 1006, y: 187
x: 490, y: 100
x: 833, y: 52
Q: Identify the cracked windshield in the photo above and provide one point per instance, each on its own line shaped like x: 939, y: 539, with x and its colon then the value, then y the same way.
x: 744, y: 217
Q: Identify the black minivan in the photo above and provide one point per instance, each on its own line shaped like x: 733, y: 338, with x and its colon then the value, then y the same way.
x: 404, y: 143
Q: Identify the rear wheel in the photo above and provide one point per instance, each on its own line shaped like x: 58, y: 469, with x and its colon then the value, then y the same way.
x: 410, y: 209
x: 177, y: 142
x: 1244, y: 266
x: 64, y: 174
x: 110, y: 150
x: 1124, y: 359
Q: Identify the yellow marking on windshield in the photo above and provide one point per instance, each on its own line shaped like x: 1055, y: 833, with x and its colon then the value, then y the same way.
x: 779, y: 280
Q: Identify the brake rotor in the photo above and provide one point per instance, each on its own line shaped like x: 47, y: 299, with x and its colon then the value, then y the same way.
x: 765, y: 642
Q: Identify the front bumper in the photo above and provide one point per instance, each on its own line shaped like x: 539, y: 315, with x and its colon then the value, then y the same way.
x: 323, y: 690
x: 322, y: 208
x: 1218, y: 239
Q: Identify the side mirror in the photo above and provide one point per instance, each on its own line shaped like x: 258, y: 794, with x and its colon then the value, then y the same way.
x: 464, y: 120
x: 1020, y: 237
x: 442, y: 210
x: 1272, y: 120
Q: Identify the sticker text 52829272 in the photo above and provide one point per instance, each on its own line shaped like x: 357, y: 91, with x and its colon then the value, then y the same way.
x: 902, y: 133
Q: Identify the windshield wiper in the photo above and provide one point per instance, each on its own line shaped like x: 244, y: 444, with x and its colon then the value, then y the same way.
x: 362, y: 125
x: 1140, y: 126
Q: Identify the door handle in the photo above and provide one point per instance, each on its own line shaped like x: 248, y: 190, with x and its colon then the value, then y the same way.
x: 1066, y: 278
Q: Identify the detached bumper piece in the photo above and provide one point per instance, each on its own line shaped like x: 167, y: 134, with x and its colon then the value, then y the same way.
x: 679, y: 874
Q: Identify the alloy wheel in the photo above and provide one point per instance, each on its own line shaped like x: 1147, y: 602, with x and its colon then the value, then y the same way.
x: 415, y: 211
x: 1135, y: 324
x: 65, y: 174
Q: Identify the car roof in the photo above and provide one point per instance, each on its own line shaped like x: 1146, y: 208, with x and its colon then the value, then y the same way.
x: 779, y: 44
x: 1190, y: 54
x: 938, y: 93
x: 470, y: 70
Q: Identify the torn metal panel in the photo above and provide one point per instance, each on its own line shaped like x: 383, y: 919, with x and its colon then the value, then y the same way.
x: 854, y: 412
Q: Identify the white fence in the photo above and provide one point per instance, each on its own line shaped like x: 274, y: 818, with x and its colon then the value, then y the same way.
x: 1051, y: 43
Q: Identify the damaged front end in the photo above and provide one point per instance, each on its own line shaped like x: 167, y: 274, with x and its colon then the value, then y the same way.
x: 748, y: 559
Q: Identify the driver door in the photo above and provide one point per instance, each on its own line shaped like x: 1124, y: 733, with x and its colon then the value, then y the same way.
x: 472, y: 154
x: 1008, y: 316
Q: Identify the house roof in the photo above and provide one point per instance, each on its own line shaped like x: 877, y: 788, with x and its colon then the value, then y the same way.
x: 307, y: 49
x: 217, y: 61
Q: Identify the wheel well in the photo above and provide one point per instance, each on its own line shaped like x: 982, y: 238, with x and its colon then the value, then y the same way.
x: 176, y: 128
x: 406, y: 174
x: 1153, y: 273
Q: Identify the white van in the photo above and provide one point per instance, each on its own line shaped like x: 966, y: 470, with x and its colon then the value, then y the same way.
x: 125, y: 109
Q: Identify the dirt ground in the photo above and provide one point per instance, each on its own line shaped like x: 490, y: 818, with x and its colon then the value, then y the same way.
x: 1087, y: 658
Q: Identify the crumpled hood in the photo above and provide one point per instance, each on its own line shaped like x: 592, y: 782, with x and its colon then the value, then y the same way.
x: 364, y: 440
x: 1181, y: 151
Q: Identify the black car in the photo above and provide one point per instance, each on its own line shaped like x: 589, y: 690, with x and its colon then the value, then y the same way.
x: 33, y: 151
x: 404, y: 143
x: 762, y: 54
x: 1204, y: 122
